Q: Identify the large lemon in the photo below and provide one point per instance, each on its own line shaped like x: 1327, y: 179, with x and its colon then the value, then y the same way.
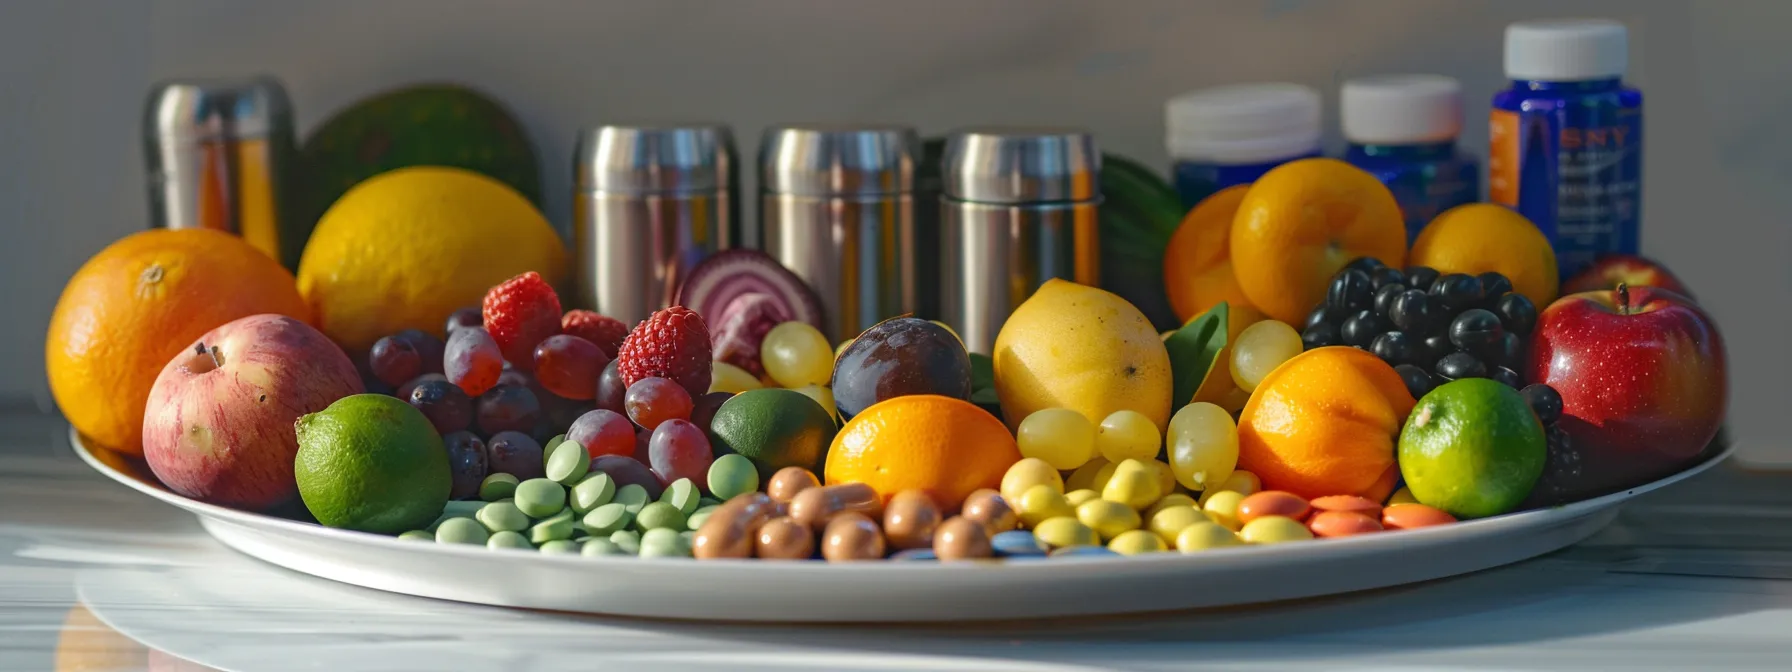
x: 405, y: 248
x: 1078, y: 347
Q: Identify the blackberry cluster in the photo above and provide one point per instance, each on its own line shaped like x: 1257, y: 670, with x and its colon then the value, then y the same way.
x: 1563, y: 467
x: 1433, y: 328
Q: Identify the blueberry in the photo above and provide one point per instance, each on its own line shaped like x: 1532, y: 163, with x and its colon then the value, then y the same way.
x: 1364, y: 264
x: 1517, y: 312
x: 1395, y: 348
x: 1508, y: 351
x: 466, y: 463
x: 1349, y: 292
x: 1457, y: 291
x: 1418, y: 383
x: 1421, y: 277
x: 1506, y: 376
x: 1545, y: 401
x: 1361, y: 329
x: 1436, y: 346
x: 1384, y: 297
x: 1320, y: 335
x: 1320, y: 314
x: 1414, y: 312
x: 1494, y: 285
x: 1384, y: 276
x: 1476, y: 330
x: 1459, y: 365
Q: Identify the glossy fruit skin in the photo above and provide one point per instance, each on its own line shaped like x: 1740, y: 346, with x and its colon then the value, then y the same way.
x: 470, y: 316
x: 703, y: 410
x: 611, y: 392
x: 520, y: 313
x: 1384, y: 276
x: 472, y: 360
x: 1418, y: 381
x: 394, y: 360
x: 448, y: 408
x: 1414, y: 312
x: 569, y: 366
x: 514, y: 453
x: 1321, y: 315
x: 507, y: 408
x: 1321, y: 335
x: 1362, y: 328
x: 606, y: 332
x: 1476, y: 330
x: 1545, y: 401
x: 1421, y: 277
x: 1301, y: 216
x: 629, y: 471
x: 1517, y: 313
x: 1644, y: 382
x: 1508, y: 352
x: 1083, y: 348
x: 467, y: 458
x: 679, y: 449
x: 1324, y: 423
x: 1197, y: 263
x: 603, y: 432
x: 1494, y: 285
x: 948, y: 447
x: 1350, y: 291
x: 1395, y: 348
x: 1457, y: 291
x: 652, y: 401
x: 1505, y: 376
x: 1385, y: 296
x: 1635, y: 271
x: 672, y: 343
x: 1564, y: 478
x: 899, y: 357
x: 1459, y: 365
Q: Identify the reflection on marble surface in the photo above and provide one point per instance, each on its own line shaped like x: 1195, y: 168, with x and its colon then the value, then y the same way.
x: 96, y: 577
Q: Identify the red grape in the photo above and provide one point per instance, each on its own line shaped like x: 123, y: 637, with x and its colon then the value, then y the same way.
x: 446, y: 406
x: 678, y: 450
x: 569, y: 366
x: 651, y: 401
x: 610, y: 390
x: 629, y: 471
x: 703, y: 410
x: 472, y: 361
x: 470, y: 316
x: 508, y: 408
x: 515, y: 453
x: 467, y: 461
x: 428, y: 347
x: 603, y: 432
x: 394, y: 360
x: 404, y: 391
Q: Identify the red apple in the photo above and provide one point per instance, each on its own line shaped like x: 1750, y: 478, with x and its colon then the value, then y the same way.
x: 1624, y: 269
x: 219, y: 424
x: 1642, y: 376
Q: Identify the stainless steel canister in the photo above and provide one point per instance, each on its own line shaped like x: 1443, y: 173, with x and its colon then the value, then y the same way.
x: 647, y: 207
x: 220, y: 156
x: 837, y: 208
x: 1018, y: 207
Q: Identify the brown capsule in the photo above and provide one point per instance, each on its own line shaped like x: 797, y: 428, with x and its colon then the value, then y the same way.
x: 783, y: 538
x: 1413, y: 516
x: 961, y: 538
x: 1272, y: 503
x: 987, y: 506
x: 909, y: 520
x: 852, y: 536
x: 816, y: 506
x: 789, y: 481
x: 1362, y: 505
x: 730, y: 530
x: 1342, y: 524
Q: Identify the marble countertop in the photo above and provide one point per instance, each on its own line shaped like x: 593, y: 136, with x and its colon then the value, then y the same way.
x: 96, y: 577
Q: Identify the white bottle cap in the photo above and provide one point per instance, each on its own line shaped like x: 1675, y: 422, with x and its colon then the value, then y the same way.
x: 1243, y: 123
x: 1400, y: 109
x: 1569, y: 50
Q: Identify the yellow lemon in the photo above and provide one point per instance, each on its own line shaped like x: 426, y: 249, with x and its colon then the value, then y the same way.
x: 1077, y: 347
x: 405, y: 248
x: 1482, y: 237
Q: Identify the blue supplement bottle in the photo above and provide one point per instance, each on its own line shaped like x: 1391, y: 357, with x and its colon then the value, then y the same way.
x: 1402, y: 129
x: 1228, y: 135
x: 1566, y: 140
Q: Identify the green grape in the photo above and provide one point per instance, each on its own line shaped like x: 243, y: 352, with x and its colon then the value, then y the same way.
x: 1127, y: 435
x: 1203, y: 446
x: 796, y: 354
x: 1062, y: 437
x: 1261, y: 348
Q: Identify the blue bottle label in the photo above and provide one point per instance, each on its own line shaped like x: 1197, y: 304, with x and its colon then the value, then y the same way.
x: 1576, y: 172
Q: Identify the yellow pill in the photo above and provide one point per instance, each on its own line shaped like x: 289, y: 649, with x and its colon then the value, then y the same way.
x: 1041, y: 502
x: 1064, y: 531
x: 1084, y: 476
x: 1134, y: 542
x: 1203, y: 536
x: 1402, y: 496
x: 1166, y: 479
x: 1169, y: 500
x: 1169, y: 522
x: 1025, y: 474
x: 1133, y: 484
x: 1274, y: 530
x: 1077, y: 497
x: 1099, y: 481
x: 1241, y: 482
x: 1222, y: 507
x: 1107, y: 518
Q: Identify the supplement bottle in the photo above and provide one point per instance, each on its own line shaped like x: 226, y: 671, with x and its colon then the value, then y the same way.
x: 1402, y: 129
x: 1228, y: 135
x: 1566, y: 139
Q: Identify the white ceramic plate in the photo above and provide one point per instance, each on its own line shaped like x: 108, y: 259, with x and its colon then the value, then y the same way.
x: 750, y: 590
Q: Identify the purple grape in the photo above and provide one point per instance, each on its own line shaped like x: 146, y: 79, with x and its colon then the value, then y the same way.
x: 394, y: 360
x: 678, y: 449
x: 611, y: 392
x: 508, y: 408
x: 651, y: 401
x: 629, y: 471
x: 428, y: 347
x: 604, y: 432
x: 515, y: 453
x: 703, y: 410
x: 470, y: 316
x: 467, y: 459
x: 472, y: 361
x: 446, y: 406
x: 404, y: 391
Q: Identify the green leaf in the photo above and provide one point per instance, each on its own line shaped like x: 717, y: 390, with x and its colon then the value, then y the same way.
x: 985, y: 396
x: 1195, y: 350
x: 983, y: 372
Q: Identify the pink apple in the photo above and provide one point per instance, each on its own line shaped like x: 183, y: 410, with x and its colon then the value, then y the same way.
x: 1642, y: 376
x: 1624, y: 269
x: 219, y: 424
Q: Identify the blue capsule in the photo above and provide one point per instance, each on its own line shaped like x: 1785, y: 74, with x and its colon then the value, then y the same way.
x: 915, y: 554
x: 1084, y: 552
x: 1016, y: 543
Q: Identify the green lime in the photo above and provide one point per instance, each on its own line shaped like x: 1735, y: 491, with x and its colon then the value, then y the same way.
x: 1473, y: 448
x: 775, y: 428
x: 372, y: 463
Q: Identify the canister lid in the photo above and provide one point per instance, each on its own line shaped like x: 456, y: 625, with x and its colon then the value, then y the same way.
x: 1243, y: 123
x: 194, y: 110
x: 827, y: 160
x: 1566, y: 50
x: 1022, y: 165
x: 1400, y: 109
x: 649, y: 158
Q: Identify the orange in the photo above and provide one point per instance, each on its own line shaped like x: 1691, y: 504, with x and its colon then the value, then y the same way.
x: 1198, y: 263
x: 1302, y: 222
x: 136, y: 305
x: 1482, y: 237
x: 947, y: 447
x: 1325, y: 423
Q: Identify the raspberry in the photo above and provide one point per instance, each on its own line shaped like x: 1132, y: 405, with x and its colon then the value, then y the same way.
x: 607, y: 332
x: 673, y: 343
x: 520, y: 314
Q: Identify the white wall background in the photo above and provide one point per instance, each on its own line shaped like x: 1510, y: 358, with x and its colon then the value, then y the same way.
x: 1717, y: 78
